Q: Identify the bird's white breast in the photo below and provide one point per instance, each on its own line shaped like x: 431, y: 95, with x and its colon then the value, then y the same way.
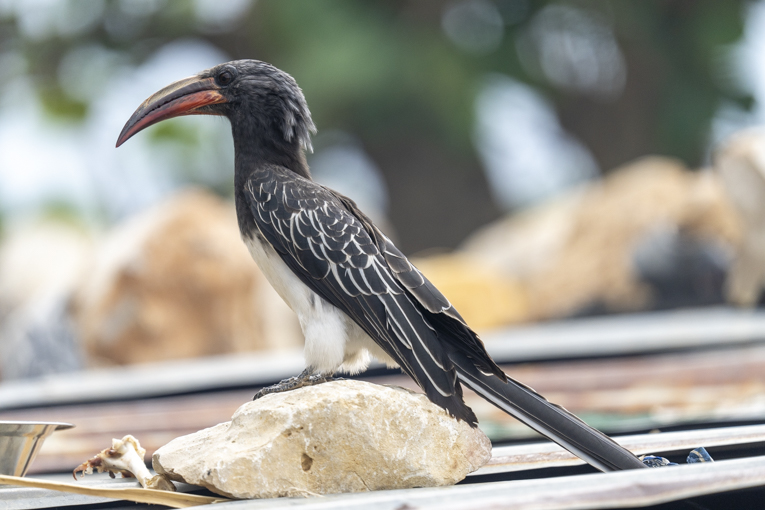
x: 294, y: 292
x: 332, y: 339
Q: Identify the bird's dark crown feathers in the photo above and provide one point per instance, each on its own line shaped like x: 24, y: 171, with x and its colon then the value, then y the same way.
x: 264, y: 97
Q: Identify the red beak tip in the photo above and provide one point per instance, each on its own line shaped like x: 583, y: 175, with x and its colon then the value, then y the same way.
x: 122, y: 139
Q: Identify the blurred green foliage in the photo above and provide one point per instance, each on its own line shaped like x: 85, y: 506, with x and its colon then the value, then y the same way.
x: 61, y: 106
x: 62, y: 212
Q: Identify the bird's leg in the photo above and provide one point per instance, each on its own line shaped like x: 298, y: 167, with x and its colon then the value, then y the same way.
x: 286, y: 384
x: 306, y: 378
x: 322, y: 378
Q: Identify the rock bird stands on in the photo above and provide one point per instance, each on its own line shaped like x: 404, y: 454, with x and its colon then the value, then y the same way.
x: 354, y: 292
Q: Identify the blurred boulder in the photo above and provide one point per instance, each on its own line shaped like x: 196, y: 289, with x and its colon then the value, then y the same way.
x: 681, y: 269
x: 176, y: 281
x: 740, y: 162
x: 40, y: 261
x: 582, y: 250
x: 485, y: 297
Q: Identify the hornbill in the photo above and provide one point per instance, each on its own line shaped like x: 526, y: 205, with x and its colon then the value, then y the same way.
x: 353, y: 291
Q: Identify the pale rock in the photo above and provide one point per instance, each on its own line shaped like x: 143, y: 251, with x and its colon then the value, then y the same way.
x: 578, y: 249
x: 740, y: 162
x: 40, y: 262
x: 340, y: 436
x: 486, y: 298
x: 176, y: 281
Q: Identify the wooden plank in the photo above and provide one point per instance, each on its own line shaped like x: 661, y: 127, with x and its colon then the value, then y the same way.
x: 31, y: 498
x: 135, y: 494
x: 27, y: 498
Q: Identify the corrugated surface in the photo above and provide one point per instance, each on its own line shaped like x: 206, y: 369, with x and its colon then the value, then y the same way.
x: 614, y: 394
x: 546, y: 454
x: 624, y: 489
x: 602, y: 336
x: 723, y: 381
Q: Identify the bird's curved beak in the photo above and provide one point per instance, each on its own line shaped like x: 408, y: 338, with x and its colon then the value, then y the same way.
x: 184, y: 97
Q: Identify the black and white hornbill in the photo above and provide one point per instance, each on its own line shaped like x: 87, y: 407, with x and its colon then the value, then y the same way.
x: 353, y: 291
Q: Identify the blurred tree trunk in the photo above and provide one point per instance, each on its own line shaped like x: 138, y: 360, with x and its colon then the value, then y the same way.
x: 437, y: 196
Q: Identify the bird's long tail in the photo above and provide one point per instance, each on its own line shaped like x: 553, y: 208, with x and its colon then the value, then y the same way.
x: 550, y: 420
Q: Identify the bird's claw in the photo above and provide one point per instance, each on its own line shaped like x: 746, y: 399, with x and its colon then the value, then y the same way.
x: 293, y: 383
x: 284, y: 385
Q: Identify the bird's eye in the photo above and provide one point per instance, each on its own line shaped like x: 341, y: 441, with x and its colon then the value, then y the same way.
x: 224, y: 77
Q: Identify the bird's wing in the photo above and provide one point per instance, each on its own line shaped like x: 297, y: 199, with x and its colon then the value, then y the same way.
x: 333, y: 253
x: 436, y: 308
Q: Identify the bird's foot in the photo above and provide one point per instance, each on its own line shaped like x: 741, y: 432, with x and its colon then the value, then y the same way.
x: 306, y: 378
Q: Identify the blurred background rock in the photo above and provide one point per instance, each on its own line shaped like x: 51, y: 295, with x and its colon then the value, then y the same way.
x: 539, y: 159
x: 175, y: 282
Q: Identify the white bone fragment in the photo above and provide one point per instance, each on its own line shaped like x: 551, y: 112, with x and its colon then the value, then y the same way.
x: 125, y: 457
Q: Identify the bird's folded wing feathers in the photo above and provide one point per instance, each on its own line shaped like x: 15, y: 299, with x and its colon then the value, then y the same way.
x: 438, y: 310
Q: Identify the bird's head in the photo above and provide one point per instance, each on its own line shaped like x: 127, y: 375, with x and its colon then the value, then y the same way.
x: 264, y: 104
